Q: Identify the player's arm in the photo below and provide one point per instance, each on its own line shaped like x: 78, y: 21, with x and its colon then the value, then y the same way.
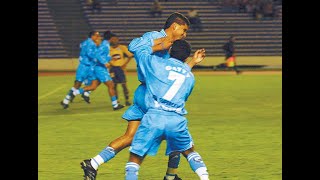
x: 103, y: 56
x: 145, y: 57
x: 198, y: 56
x: 148, y: 39
x: 137, y: 43
x: 127, y: 53
x: 163, y: 43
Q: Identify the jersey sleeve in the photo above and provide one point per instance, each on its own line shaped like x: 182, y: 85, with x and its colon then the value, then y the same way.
x: 145, y: 40
x: 103, y: 55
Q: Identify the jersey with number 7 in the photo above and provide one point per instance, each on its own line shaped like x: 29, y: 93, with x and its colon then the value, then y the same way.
x: 169, y: 81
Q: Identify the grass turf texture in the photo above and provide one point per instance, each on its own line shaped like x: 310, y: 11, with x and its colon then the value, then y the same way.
x: 235, y: 121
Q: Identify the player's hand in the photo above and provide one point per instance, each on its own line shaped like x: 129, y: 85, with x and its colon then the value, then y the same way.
x: 167, y: 42
x: 199, y: 55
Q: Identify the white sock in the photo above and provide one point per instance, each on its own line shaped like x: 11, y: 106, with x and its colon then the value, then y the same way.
x: 115, y: 103
x: 202, y: 173
x: 87, y: 93
x: 170, y: 177
x: 66, y: 100
x: 96, y: 161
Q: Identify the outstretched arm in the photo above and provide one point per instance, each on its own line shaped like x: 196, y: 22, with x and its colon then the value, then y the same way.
x: 198, y: 56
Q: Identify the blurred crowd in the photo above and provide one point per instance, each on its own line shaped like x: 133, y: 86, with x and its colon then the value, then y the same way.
x: 260, y: 9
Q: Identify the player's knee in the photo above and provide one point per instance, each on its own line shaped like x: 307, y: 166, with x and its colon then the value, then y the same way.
x: 129, y: 136
x: 187, y: 152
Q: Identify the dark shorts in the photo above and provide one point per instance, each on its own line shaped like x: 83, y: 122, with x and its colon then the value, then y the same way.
x: 117, y: 74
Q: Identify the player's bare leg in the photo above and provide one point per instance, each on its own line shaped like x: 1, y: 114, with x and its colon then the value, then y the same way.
x: 90, y: 166
x: 126, y: 93
x: 126, y: 139
x: 112, y: 94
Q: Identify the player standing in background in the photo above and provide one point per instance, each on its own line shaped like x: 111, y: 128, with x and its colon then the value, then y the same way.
x: 165, y: 119
x: 101, y: 73
x: 118, y: 65
x: 85, y: 67
x: 175, y: 27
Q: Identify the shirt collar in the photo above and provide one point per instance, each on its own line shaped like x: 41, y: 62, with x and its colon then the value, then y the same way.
x: 163, y: 32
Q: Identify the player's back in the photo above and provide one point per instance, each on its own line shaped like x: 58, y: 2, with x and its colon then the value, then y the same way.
x: 169, y: 83
x: 85, y: 47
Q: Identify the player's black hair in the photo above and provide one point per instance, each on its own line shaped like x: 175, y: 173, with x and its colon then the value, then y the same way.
x: 177, y: 18
x: 91, y: 33
x: 180, y: 50
x: 108, y: 35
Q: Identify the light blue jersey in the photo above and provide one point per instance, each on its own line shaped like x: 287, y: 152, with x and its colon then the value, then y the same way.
x: 86, y: 60
x: 102, y: 57
x: 103, y: 53
x: 147, y: 40
x: 169, y: 83
x: 138, y: 108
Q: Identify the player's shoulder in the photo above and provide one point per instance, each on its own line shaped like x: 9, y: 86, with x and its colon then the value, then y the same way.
x: 122, y: 46
x: 152, y: 33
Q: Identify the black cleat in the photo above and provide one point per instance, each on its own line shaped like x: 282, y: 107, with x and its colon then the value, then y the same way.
x: 128, y: 103
x: 86, y: 98
x: 120, y: 106
x: 65, y: 106
x: 175, y: 178
x: 89, y: 172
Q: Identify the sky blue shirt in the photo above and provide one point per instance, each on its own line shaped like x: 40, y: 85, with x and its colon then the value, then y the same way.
x: 169, y: 81
x: 87, y: 52
x: 103, y: 53
x: 147, y: 40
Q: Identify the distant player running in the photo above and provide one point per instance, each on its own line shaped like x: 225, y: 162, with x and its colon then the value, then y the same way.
x: 101, y: 74
x: 85, y: 67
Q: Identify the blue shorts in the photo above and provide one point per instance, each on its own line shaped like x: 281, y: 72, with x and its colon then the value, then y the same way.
x: 84, y: 72
x: 158, y: 125
x: 117, y: 74
x: 102, y: 74
x: 137, y: 110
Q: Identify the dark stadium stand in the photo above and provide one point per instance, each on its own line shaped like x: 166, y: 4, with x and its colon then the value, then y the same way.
x: 49, y: 41
x: 130, y: 19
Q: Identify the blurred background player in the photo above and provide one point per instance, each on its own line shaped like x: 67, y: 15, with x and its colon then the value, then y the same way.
x: 165, y: 119
x: 85, y: 67
x: 120, y: 58
x: 230, y: 57
x: 101, y: 73
x: 175, y: 27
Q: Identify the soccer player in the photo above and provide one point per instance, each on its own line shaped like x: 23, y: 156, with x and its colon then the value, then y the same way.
x: 165, y: 116
x: 175, y: 27
x: 118, y: 65
x: 85, y: 67
x: 101, y: 74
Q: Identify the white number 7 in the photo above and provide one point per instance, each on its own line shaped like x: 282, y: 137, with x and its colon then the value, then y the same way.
x: 179, y: 79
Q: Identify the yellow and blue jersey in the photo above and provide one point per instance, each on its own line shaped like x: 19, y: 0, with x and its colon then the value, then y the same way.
x: 118, y: 55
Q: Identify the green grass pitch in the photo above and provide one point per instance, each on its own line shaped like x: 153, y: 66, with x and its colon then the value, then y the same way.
x: 235, y: 121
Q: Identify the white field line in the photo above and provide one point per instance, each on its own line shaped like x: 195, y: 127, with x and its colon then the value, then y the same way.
x: 49, y: 93
x: 82, y: 114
